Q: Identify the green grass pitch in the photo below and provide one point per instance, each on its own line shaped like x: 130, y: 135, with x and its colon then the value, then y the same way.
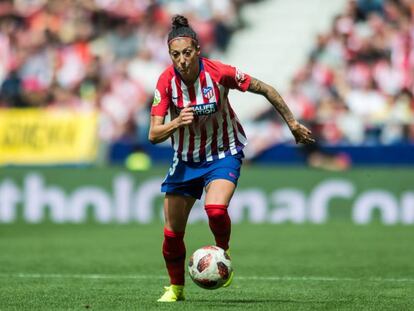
x: 337, y: 266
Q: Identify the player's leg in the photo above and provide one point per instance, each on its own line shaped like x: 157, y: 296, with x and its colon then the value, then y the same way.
x: 176, y: 210
x: 218, y: 195
x: 221, y: 183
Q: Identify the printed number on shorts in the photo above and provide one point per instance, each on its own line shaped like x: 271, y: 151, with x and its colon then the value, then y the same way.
x: 174, y: 165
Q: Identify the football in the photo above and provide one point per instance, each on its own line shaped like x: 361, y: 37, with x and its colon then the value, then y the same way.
x: 210, y: 267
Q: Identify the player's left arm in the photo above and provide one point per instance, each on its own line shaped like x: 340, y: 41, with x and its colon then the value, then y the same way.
x: 301, y: 133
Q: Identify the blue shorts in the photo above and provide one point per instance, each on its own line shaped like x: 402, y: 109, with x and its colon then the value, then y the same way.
x: 190, y: 178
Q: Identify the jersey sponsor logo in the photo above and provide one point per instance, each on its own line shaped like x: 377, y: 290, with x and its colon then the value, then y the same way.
x: 157, y: 98
x: 205, y: 109
x: 208, y: 92
x: 240, y: 76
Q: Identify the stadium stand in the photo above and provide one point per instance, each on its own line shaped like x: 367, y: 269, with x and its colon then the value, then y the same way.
x: 99, y: 54
x: 355, y: 89
x: 356, y: 86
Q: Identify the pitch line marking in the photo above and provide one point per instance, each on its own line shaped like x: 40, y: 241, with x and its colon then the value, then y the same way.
x: 242, y: 278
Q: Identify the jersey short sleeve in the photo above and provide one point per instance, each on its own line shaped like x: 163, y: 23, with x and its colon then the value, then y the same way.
x: 233, y: 78
x: 161, y: 101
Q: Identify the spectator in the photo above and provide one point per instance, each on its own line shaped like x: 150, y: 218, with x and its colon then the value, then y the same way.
x: 360, y: 76
x: 97, y: 54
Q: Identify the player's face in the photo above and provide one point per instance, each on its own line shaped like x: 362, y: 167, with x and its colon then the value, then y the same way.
x: 185, y: 55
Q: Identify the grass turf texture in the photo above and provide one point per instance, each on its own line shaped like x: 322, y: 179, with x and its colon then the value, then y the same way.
x: 278, y: 267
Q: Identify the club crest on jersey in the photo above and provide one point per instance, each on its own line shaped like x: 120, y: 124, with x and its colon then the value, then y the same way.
x: 205, y: 109
x: 208, y: 92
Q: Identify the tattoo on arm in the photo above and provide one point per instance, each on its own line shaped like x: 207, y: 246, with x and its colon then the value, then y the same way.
x: 258, y: 87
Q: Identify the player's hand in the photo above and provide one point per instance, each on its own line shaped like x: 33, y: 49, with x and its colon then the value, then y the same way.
x: 302, y: 134
x: 185, y: 117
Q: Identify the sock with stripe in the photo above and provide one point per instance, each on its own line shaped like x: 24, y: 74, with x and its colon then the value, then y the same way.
x: 173, y: 250
x: 220, y: 224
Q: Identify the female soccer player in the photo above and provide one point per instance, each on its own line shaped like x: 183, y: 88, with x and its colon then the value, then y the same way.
x: 208, y: 141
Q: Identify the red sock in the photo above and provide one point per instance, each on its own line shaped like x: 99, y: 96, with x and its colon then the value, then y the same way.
x: 173, y: 250
x: 220, y: 224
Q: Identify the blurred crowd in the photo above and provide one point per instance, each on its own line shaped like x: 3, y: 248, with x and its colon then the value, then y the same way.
x: 100, y: 55
x: 357, y: 85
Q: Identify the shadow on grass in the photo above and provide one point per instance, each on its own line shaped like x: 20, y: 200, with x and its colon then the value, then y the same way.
x: 254, y: 301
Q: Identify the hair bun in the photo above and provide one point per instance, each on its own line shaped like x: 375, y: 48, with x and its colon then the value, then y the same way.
x: 179, y: 21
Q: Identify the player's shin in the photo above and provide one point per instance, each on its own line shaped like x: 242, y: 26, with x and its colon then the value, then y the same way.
x: 173, y: 250
x: 220, y: 224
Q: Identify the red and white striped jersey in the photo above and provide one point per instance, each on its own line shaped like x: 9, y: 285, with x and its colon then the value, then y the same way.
x: 216, y: 130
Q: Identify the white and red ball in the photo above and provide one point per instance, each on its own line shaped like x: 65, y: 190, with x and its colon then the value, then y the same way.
x: 210, y: 267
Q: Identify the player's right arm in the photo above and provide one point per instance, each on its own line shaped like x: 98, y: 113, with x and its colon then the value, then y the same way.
x: 160, y: 131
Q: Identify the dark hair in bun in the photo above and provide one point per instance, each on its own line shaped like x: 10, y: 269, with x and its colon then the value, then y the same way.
x: 179, y: 21
x: 181, y: 28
